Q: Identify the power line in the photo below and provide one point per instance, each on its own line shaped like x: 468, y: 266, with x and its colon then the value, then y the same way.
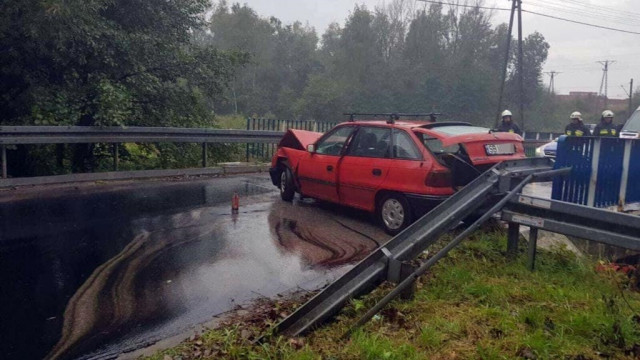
x: 580, y: 22
x: 534, y: 13
x: 600, y: 14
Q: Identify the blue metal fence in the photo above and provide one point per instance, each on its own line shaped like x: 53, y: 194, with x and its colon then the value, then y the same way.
x: 605, y: 171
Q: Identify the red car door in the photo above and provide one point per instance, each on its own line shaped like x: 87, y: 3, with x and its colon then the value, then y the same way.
x: 364, y: 167
x: 317, y: 172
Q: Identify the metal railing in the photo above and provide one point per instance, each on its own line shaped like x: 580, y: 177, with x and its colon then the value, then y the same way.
x: 606, y: 171
x: 260, y: 137
x: 24, y: 135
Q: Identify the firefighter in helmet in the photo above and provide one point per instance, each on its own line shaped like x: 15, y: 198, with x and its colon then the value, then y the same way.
x: 576, y: 127
x: 507, y: 124
x: 606, y: 127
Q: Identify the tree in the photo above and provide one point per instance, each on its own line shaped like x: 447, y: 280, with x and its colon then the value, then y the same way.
x: 117, y: 62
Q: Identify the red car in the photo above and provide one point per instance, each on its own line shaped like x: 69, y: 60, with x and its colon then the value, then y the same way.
x: 398, y: 169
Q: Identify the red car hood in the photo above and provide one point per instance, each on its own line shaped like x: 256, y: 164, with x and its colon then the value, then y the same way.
x: 298, y: 139
x: 484, y: 138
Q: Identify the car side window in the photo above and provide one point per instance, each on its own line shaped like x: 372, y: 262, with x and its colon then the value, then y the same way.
x: 371, y: 141
x: 404, y: 147
x: 334, y: 141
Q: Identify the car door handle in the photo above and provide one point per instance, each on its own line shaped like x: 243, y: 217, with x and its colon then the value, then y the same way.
x: 329, y: 167
x: 376, y: 172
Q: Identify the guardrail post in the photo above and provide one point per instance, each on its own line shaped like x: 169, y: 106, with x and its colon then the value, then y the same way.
x: 116, y: 157
x: 4, y: 161
x: 204, y: 155
x: 533, y: 243
x: 513, y: 235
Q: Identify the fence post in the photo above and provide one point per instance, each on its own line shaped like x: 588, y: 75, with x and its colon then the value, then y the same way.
x: 247, y: 147
x: 533, y: 243
x: 593, y: 181
x: 4, y: 161
x: 204, y: 154
x: 116, y: 157
x: 626, y: 160
x: 513, y: 235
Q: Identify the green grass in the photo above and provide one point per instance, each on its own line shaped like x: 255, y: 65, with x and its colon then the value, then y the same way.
x: 475, y: 304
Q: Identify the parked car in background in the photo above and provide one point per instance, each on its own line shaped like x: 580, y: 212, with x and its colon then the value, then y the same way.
x: 397, y: 169
x: 631, y: 128
x: 549, y: 149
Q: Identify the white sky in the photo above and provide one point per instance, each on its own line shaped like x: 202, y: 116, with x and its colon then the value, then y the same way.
x: 575, y: 49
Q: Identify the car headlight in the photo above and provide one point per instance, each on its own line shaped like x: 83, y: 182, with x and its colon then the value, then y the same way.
x: 540, y: 151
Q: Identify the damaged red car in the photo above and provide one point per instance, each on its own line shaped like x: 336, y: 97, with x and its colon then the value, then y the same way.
x: 397, y: 169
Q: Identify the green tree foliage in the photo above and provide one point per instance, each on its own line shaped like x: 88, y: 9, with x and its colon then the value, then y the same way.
x: 101, y: 62
x: 394, y: 58
x: 108, y: 62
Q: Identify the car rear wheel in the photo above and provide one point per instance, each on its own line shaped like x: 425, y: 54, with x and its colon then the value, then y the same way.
x: 394, y: 213
x: 287, y: 189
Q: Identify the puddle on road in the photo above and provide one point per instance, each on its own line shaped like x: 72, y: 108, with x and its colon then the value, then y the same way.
x: 170, y: 272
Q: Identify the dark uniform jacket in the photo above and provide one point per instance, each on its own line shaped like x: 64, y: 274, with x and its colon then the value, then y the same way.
x: 578, y: 129
x: 605, y: 129
x: 510, y: 127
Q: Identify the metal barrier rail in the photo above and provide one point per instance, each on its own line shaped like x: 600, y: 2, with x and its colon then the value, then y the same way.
x: 23, y: 135
x: 257, y: 136
x: 12, y: 135
x: 386, y: 262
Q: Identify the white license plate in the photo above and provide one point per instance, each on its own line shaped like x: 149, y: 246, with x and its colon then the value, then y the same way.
x: 500, y: 149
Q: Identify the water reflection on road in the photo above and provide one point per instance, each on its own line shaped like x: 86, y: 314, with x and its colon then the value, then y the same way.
x: 122, y: 282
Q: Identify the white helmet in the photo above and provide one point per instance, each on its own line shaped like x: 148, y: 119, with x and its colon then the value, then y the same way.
x: 506, y: 113
x: 576, y: 115
x: 607, y: 113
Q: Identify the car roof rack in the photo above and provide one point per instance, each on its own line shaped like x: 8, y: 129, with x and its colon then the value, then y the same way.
x: 392, y: 117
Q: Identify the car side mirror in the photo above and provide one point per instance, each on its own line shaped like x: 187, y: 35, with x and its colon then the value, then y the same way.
x: 311, y: 148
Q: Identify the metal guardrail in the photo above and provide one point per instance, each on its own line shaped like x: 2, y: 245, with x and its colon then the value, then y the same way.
x: 12, y: 135
x: 258, y: 133
x: 386, y: 262
x: 389, y: 262
x: 24, y: 135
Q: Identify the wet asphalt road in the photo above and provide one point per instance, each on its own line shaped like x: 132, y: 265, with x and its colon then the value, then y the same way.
x: 90, y: 272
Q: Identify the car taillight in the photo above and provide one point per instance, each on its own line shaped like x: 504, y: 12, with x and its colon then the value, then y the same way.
x: 439, y: 178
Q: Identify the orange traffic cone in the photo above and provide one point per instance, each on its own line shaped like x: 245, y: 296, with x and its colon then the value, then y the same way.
x: 235, y: 203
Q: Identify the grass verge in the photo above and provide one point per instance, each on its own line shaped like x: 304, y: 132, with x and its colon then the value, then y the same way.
x: 475, y: 304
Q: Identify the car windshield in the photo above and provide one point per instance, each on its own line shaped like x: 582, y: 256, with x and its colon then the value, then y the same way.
x: 455, y: 130
x: 633, y: 124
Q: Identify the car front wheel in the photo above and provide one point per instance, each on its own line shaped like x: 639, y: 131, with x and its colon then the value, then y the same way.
x: 287, y: 189
x: 394, y: 213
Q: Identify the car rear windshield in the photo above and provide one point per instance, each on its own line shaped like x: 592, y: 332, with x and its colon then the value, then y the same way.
x: 459, y: 130
x: 633, y: 124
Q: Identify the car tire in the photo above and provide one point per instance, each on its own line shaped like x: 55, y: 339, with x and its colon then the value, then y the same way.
x: 287, y: 188
x: 394, y: 213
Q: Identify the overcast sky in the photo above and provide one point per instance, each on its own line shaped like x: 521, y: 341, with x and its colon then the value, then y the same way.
x: 575, y: 49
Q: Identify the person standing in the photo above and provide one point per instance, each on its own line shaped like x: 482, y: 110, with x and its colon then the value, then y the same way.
x: 576, y: 127
x: 606, y: 127
x: 507, y: 124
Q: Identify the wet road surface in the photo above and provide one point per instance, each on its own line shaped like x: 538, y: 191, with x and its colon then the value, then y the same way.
x: 90, y: 273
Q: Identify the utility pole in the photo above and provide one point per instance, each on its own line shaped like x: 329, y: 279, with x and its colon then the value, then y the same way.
x: 520, y: 64
x: 552, y: 74
x: 506, y: 61
x: 605, y: 79
x: 631, y: 97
